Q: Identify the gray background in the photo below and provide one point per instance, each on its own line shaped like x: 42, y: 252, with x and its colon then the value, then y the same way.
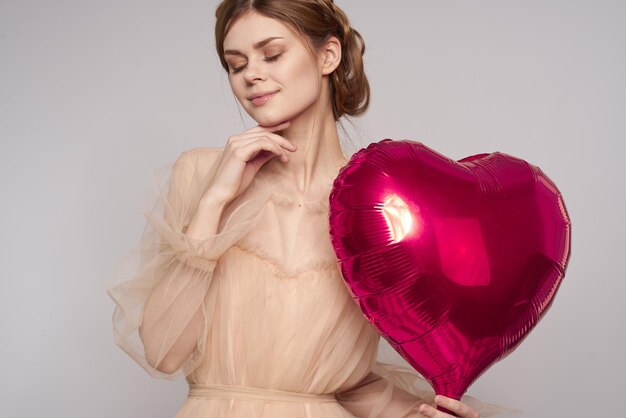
x: 94, y: 96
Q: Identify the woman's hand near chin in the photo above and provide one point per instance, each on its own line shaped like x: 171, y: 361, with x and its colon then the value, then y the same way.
x: 243, y: 156
x: 457, y: 407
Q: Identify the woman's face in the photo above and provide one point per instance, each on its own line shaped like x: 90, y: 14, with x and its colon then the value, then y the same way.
x: 265, y: 57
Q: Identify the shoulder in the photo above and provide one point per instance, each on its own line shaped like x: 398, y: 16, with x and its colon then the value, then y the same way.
x: 200, y: 154
x: 197, y: 160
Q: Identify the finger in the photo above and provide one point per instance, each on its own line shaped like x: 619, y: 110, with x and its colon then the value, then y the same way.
x: 274, y: 128
x: 250, y: 150
x: 279, y: 147
x: 253, y: 136
x: 456, y: 406
x: 429, y: 411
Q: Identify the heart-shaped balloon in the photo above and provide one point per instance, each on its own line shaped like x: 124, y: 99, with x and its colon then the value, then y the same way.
x: 454, y: 262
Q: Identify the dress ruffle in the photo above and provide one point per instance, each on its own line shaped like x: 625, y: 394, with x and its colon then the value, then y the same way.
x: 168, y: 260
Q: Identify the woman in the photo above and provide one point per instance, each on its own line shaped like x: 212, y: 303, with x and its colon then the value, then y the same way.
x: 238, y: 287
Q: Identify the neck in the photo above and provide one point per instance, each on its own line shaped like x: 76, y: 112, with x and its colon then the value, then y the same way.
x: 318, y: 157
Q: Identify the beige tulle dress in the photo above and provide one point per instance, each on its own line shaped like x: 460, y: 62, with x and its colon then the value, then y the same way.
x: 281, y: 336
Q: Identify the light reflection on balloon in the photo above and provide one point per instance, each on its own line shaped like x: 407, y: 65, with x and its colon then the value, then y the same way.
x: 399, y: 218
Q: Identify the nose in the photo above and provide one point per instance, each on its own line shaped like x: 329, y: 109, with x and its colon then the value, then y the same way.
x: 252, y: 73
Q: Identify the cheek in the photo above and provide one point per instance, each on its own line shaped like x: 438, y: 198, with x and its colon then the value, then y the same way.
x: 235, y: 85
x: 238, y: 89
x: 302, y: 77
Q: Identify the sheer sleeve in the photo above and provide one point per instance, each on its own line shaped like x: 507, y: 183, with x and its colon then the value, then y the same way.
x: 176, y: 267
x: 391, y: 391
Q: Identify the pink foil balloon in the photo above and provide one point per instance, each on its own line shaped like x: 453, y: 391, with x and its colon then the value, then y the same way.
x: 453, y: 262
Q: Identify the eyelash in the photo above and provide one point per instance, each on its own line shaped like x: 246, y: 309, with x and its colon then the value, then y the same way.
x: 266, y: 59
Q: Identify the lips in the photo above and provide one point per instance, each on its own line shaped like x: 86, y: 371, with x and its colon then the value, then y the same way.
x: 262, y: 97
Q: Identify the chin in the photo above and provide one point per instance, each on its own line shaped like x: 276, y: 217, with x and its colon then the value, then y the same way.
x: 269, y: 119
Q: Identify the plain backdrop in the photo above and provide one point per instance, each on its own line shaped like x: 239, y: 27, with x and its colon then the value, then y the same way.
x: 95, y: 96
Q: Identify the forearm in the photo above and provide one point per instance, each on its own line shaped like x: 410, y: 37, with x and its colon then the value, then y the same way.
x: 205, y: 221
x: 177, y: 302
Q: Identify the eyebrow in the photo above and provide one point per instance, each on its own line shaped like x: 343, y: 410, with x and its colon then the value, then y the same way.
x: 257, y: 45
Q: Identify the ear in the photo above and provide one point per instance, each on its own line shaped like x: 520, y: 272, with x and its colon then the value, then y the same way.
x: 330, y: 55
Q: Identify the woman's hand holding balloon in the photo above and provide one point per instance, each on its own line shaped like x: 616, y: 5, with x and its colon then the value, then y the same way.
x: 453, y: 405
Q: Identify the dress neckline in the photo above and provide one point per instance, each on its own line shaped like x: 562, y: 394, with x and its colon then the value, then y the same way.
x: 286, y: 195
x: 320, y: 205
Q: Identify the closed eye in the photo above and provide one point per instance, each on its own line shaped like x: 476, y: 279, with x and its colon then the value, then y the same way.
x: 273, y: 58
x: 266, y: 59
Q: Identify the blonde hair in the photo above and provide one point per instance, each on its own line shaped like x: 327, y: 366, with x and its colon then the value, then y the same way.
x: 317, y: 20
